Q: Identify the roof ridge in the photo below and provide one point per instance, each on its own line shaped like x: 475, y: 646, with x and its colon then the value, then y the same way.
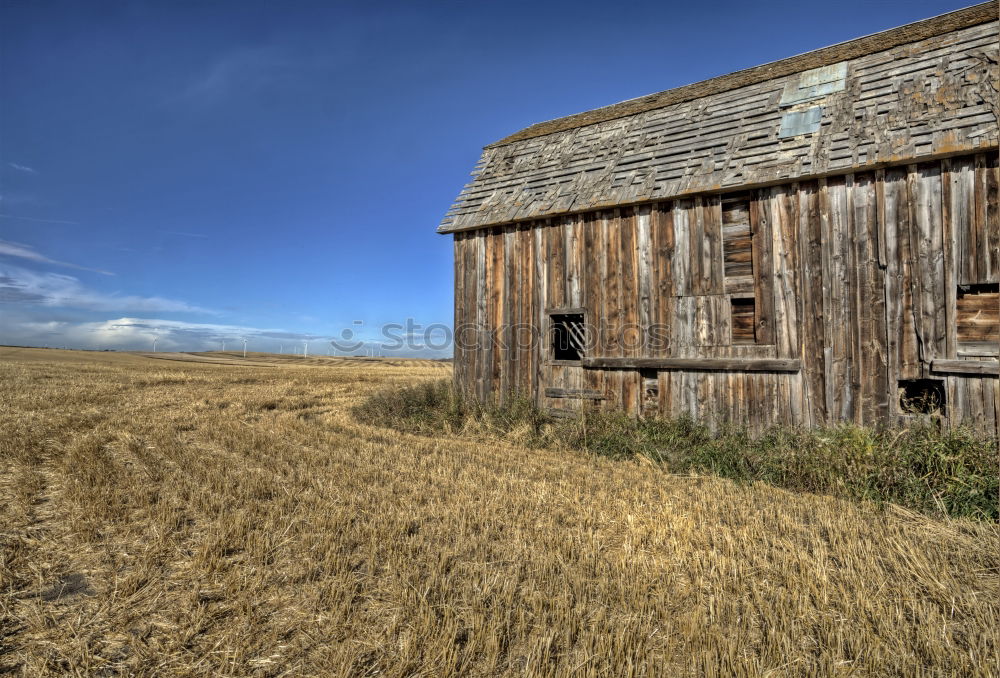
x: 824, y: 56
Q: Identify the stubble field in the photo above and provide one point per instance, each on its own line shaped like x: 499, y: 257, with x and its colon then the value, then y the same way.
x: 203, y: 515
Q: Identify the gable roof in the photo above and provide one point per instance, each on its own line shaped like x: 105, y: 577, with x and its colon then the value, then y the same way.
x: 782, y: 120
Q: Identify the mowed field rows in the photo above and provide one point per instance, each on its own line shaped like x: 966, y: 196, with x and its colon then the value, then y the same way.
x: 171, y: 517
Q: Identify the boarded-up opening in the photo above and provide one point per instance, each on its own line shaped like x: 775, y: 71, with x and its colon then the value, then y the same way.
x: 737, y: 239
x: 977, y: 318
x: 567, y: 336
x: 743, y: 313
x: 922, y: 396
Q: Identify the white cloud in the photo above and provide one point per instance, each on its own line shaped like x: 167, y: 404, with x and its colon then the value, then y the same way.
x: 28, y: 326
x: 13, y: 249
x: 173, y: 334
x: 132, y: 334
x: 22, y: 168
x: 20, y: 286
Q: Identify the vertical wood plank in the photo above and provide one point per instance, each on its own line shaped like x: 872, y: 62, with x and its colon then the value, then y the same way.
x: 527, y: 343
x: 812, y: 308
x: 962, y: 203
x: 458, y: 356
x: 763, y: 266
x: 928, y: 283
x: 629, y: 287
x: 508, y: 278
x: 663, y: 233
x: 948, y: 261
x: 497, y: 294
x: 484, y: 359
x: 871, y: 352
x: 712, y: 266
x: 646, y: 289
x: 557, y: 265
x: 612, y: 287
x: 979, y: 243
x: 992, y: 225
x: 910, y: 330
x: 681, y: 264
x: 541, y: 296
x: 787, y: 285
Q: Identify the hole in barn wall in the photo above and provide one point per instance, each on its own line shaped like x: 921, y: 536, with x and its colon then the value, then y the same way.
x: 922, y: 396
x: 650, y: 391
x: 567, y: 336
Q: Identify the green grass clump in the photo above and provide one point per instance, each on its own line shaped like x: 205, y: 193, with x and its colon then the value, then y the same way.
x: 938, y: 472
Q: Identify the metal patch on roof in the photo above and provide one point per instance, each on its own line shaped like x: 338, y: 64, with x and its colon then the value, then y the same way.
x: 795, y: 123
x: 815, y: 83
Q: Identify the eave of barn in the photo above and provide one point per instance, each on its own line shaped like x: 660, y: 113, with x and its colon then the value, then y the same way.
x: 920, y: 99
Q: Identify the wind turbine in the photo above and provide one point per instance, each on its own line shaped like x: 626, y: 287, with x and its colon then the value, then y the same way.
x: 305, y: 348
x: 223, y: 345
x: 154, y: 344
x: 244, y: 347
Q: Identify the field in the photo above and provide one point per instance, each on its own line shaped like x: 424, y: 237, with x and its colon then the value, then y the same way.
x: 204, y: 515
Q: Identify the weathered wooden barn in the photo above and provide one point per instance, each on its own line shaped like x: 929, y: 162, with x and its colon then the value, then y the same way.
x: 809, y: 241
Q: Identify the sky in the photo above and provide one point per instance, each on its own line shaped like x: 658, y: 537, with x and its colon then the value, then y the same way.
x: 196, y: 172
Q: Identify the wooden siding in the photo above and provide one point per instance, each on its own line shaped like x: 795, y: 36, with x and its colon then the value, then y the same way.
x: 857, y: 283
x: 925, y: 99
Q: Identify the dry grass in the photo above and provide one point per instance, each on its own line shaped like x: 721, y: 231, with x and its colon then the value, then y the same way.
x: 178, y: 518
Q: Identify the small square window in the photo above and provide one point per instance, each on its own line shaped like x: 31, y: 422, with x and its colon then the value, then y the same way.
x: 568, y: 338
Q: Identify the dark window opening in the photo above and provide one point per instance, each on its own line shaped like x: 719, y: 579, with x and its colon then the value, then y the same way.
x: 922, y: 396
x: 743, y: 321
x: 568, y: 337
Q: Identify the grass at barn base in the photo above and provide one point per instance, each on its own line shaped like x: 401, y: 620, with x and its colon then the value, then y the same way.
x: 946, y: 473
x: 175, y: 517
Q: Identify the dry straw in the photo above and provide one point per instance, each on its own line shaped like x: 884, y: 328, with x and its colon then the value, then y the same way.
x: 166, y: 518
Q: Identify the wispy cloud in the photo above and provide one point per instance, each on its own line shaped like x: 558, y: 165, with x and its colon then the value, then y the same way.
x: 20, y: 286
x: 131, y: 333
x: 13, y: 249
x: 34, y: 326
x: 35, y: 219
x: 185, y: 234
x: 240, y: 71
x: 22, y: 168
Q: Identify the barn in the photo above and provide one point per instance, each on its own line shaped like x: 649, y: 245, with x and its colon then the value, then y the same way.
x: 810, y: 241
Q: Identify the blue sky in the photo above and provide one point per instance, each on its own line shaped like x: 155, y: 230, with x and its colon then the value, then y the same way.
x: 276, y: 170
